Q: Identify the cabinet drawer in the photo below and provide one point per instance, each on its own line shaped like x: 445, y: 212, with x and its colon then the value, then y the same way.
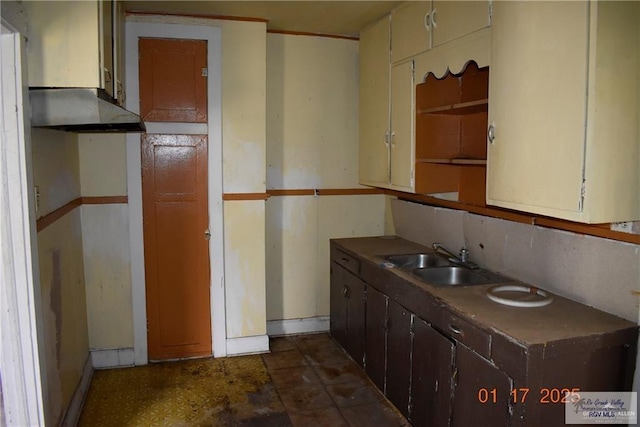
x: 347, y: 261
x: 464, y: 332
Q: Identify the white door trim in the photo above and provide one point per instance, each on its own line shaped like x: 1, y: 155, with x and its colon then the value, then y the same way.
x: 22, y: 374
x: 213, y: 36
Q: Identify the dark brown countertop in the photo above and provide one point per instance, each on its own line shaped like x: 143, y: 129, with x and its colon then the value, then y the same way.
x: 563, y: 319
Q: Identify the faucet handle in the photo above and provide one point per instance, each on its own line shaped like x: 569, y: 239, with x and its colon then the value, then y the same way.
x: 464, y: 255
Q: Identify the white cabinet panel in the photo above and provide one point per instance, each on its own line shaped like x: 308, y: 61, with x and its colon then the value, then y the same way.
x: 71, y: 44
x: 418, y: 26
x: 374, y: 104
x: 402, y: 126
x: 564, y: 105
x: 410, y: 30
x: 454, y: 19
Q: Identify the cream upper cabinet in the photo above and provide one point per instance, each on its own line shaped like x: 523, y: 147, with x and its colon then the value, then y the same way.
x: 410, y: 29
x: 453, y: 19
x: 421, y: 25
x: 70, y: 44
x: 374, y: 104
x: 564, y: 110
x: 402, y: 126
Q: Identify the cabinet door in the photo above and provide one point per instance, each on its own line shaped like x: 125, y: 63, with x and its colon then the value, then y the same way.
x: 537, y: 104
x: 398, y: 357
x: 431, y: 376
x: 410, y: 30
x: 347, y: 311
x: 453, y: 19
x: 338, y: 304
x: 374, y: 104
x: 106, y: 47
x: 118, y: 52
x: 474, y: 376
x: 376, y: 337
x: 64, y: 43
x: 355, y: 318
x: 402, y: 126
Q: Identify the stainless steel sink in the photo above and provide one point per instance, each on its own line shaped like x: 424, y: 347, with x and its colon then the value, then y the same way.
x: 457, y: 276
x: 419, y: 260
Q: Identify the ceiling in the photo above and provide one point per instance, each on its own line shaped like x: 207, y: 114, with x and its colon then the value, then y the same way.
x: 326, y: 17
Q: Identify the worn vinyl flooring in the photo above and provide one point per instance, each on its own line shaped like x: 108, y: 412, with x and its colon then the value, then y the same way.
x: 306, y: 380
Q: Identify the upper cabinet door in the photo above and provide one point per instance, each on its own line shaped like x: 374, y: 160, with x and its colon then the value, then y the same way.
x: 537, y: 105
x: 453, y: 19
x: 106, y: 52
x: 374, y: 104
x: 64, y: 44
x: 418, y: 26
x: 410, y: 30
x: 402, y: 126
x: 564, y: 110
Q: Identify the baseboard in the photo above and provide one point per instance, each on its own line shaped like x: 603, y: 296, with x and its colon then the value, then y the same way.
x: 247, y: 345
x: 72, y: 415
x: 298, y: 326
x: 113, y: 358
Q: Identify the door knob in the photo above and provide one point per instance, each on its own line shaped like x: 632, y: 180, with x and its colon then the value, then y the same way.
x: 207, y: 234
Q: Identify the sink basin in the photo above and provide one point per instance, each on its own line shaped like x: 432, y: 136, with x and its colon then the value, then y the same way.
x: 419, y: 260
x: 456, y: 276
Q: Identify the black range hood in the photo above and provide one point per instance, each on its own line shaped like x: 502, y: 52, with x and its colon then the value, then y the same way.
x: 80, y: 110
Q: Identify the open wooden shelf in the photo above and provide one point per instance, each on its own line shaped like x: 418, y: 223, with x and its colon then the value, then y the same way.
x: 451, y: 144
x: 454, y: 161
x: 471, y: 107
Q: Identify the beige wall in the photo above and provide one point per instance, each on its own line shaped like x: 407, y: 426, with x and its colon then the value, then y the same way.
x: 105, y: 240
x: 56, y: 173
x: 312, y: 134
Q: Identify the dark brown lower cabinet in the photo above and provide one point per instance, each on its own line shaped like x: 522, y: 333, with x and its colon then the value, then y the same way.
x: 347, y: 323
x: 431, y: 376
x: 481, y: 391
x: 398, y: 356
x: 441, y: 366
x: 376, y: 337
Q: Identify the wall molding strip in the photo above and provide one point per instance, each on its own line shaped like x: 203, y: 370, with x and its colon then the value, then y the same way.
x: 298, y: 326
x: 55, y: 215
x: 48, y: 219
x: 72, y: 415
x: 324, y: 192
x: 104, y: 200
x: 247, y: 345
x: 244, y: 196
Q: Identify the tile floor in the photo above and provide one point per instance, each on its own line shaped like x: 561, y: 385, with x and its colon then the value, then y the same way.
x: 306, y: 380
x: 320, y: 385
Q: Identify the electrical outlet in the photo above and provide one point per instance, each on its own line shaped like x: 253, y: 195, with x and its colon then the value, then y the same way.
x: 36, y: 193
x: 625, y: 227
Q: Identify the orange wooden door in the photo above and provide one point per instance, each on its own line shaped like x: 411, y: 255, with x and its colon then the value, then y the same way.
x: 174, y: 186
x: 173, y: 80
x: 174, y: 193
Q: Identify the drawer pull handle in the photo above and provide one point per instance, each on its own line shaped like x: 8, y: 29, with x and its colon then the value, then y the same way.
x: 456, y: 330
x: 345, y: 260
x: 346, y: 292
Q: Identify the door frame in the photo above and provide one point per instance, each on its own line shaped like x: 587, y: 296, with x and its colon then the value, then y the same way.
x: 24, y: 371
x: 213, y: 36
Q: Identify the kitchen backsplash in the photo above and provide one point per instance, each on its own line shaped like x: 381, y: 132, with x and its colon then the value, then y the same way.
x: 598, y: 272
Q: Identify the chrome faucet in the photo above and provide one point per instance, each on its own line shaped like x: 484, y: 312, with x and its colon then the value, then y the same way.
x: 461, y: 259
